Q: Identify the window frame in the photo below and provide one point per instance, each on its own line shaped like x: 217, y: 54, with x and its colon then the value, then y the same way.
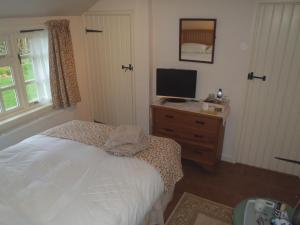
x: 12, y: 60
x: 9, y: 61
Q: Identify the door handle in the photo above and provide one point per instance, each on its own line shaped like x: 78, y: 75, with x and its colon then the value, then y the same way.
x: 251, y: 76
x: 129, y: 67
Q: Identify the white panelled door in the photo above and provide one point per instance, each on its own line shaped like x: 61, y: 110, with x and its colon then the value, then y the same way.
x: 271, y: 123
x: 109, y: 47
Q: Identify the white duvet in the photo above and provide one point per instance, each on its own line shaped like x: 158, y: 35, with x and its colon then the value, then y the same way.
x: 51, y: 181
x: 196, y: 56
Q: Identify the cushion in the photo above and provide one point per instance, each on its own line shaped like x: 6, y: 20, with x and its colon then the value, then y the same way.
x: 126, y: 140
x: 209, y: 50
x: 193, y: 48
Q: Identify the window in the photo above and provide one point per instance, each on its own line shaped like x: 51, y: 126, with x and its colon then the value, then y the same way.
x: 3, y: 48
x: 24, y: 72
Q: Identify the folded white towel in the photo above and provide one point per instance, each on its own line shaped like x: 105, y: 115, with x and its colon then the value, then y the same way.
x: 126, y: 140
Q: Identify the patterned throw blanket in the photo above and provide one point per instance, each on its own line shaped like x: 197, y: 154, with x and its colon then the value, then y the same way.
x: 163, y: 154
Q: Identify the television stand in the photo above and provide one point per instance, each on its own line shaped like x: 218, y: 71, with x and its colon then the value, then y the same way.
x: 175, y: 100
x: 199, y: 134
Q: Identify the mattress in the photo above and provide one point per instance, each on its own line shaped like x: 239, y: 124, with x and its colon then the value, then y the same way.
x: 196, y: 56
x: 164, y: 154
x: 52, y: 181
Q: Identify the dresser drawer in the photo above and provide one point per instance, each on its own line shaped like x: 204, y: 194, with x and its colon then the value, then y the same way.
x: 198, y: 136
x: 167, y: 131
x: 196, y: 153
x: 186, y: 133
x: 201, y: 123
x: 183, y: 119
x: 168, y: 116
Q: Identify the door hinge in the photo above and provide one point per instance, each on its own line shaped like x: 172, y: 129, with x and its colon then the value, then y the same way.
x: 92, y: 31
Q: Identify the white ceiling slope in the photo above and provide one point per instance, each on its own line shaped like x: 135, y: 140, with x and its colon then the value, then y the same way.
x: 32, y: 8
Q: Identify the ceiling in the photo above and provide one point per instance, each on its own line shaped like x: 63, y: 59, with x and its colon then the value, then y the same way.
x: 32, y: 8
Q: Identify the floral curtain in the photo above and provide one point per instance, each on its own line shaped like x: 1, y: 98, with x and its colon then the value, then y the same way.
x: 63, y: 80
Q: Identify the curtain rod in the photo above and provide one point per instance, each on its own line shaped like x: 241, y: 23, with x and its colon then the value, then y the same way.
x: 32, y: 30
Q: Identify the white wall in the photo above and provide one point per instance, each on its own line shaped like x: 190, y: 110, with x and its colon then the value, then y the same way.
x: 157, y: 22
x: 81, y: 111
x: 156, y: 37
x: 233, y: 35
x: 35, y: 126
x: 140, y: 9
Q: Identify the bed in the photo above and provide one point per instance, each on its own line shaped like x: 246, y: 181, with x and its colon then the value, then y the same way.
x: 197, y: 45
x: 63, y: 176
x: 196, y: 52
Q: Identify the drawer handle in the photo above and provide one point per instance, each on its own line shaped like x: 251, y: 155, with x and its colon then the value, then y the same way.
x: 197, y: 152
x: 169, y: 116
x: 168, y: 129
x: 198, y: 136
x: 200, y: 122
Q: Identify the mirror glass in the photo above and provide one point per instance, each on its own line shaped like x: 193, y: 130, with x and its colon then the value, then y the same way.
x: 197, y: 40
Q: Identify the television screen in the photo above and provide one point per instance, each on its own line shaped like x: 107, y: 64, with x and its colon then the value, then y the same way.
x: 176, y: 83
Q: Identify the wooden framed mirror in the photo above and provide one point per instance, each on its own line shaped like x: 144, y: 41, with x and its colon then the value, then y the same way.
x: 197, y: 40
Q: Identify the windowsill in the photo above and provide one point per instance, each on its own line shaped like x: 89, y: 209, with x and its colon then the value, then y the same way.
x: 23, y: 118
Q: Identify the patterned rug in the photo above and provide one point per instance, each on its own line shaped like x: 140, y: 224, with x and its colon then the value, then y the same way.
x: 194, y: 210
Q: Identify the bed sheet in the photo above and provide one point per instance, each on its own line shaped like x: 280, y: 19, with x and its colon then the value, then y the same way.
x: 53, y: 181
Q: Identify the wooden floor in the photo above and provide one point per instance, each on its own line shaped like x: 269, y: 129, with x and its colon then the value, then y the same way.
x: 233, y: 182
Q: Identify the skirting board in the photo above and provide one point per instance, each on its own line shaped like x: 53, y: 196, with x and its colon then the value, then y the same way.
x: 228, y: 158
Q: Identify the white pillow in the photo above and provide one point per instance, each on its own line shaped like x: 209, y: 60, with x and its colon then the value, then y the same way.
x: 193, y: 48
x: 209, y: 49
x: 126, y: 140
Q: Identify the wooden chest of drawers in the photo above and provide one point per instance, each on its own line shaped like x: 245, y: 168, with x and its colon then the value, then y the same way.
x: 200, y: 135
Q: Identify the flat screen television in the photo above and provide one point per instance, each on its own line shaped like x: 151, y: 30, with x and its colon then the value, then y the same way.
x: 176, y: 83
